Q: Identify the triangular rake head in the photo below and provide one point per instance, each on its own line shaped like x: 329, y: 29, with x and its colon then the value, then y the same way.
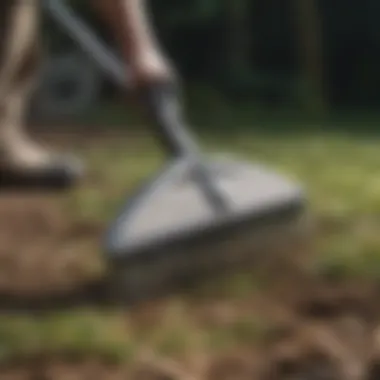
x: 169, y: 224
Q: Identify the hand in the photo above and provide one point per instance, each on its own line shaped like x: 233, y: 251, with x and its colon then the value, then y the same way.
x: 151, y: 68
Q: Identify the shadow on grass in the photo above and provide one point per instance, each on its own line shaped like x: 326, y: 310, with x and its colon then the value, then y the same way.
x: 107, y: 293
x: 238, y: 276
x: 96, y: 294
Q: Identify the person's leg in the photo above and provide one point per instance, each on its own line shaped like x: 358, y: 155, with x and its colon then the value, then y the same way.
x: 19, y: 61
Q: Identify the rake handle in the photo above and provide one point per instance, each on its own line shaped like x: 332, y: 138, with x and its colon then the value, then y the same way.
x: 163, y: 103
x: 162, y: 100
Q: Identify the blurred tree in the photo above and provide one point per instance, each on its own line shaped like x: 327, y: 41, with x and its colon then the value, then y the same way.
x: 238, y: 40
x: 248, y: 47
x: 310, y: 50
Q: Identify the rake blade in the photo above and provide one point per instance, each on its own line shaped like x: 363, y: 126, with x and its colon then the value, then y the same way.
x: 168, y: 232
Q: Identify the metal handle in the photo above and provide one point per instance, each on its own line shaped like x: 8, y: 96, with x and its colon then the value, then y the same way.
x: 88, y: 41
x: 163, y: 104
x: 161, y: 99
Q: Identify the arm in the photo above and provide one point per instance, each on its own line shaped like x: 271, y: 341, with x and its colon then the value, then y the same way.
x: 128, y: 20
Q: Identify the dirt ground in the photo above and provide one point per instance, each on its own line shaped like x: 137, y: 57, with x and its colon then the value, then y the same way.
x: 325, y: 330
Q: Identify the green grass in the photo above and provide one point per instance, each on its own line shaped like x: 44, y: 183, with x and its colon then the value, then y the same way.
x: 341, y: 174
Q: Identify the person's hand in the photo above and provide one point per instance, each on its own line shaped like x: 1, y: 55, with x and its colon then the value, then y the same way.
x: 150, y: 68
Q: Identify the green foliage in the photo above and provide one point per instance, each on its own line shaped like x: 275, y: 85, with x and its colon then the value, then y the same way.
x: 75, y: 334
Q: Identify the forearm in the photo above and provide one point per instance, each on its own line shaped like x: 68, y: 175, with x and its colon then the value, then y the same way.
x: 130, y: 23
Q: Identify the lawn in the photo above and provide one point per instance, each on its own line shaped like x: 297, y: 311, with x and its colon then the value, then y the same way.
x: 340, y: 172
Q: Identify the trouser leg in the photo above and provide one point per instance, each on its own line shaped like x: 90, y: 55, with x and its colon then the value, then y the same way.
x: 20, y: 59
x: 19, y: 63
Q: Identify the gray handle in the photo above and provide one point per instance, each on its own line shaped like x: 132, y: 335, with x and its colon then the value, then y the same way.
x: 162, y: 99
x: 88, y: 41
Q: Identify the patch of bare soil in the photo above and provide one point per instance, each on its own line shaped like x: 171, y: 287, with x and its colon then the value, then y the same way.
x: 35, y: 245
x: 324, y: 331
x: 43, y: 249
